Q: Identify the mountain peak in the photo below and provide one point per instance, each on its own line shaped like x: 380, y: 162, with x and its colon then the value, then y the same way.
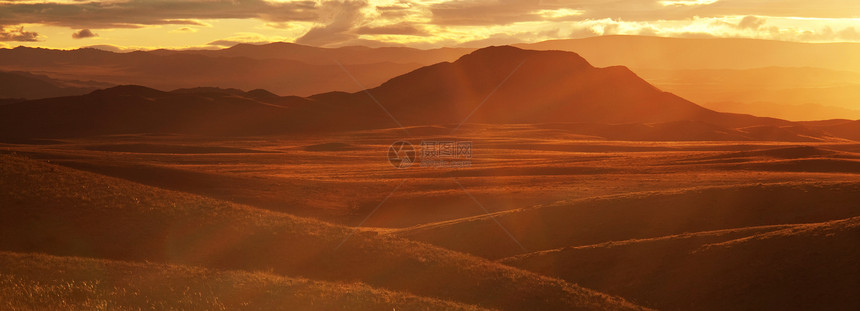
x: 129, y: 90
x: 509, y: 54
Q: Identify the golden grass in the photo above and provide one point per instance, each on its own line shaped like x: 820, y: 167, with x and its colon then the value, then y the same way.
x: 644, y: 215
x: 44, y: 282
x: 785, y: 267
x: 61, y: 211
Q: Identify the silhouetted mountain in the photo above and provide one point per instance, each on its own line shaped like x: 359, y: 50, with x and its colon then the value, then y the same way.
x: 511, y: 85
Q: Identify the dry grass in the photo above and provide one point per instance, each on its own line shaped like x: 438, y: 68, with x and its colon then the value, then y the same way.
x: 645, y: 215
x: 786, y: 267
x: 61, y: 211
x: 44, y: 282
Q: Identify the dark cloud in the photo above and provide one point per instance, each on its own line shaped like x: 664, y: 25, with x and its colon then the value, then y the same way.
x: 17, y: 34
x: 83, y: 33
x: 133, y: 13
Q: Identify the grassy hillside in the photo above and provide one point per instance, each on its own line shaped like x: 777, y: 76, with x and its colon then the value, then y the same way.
x: 645, y: 215
x: 60, y: 211
x: 796, y: 267
x: 44, y: 282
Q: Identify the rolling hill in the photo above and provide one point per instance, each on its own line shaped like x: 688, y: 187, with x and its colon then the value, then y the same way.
x: 642, y: 215
x: 64, y: 212
x: 788, y: 267
x: 38, y: 281
x: 842, y: 128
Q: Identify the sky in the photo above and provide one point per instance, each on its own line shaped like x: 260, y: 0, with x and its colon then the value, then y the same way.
x: 193, y: 24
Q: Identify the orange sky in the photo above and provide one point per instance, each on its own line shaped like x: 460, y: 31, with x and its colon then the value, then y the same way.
x: 146, y: 24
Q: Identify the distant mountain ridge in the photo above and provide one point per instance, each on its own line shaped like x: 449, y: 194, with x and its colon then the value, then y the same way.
x: 30, y: 86
x: 188, y: 69
x: 325, y: 56
x: 294, y: 69
x: 494, y: 85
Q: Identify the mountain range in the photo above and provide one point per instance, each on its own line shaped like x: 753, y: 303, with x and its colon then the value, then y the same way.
x: 711, y: 72
x: 494, y: 85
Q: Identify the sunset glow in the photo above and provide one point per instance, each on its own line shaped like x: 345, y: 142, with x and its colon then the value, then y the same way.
x: 151, y: 24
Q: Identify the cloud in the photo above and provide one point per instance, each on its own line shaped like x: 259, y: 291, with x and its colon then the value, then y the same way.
x: 751, y: 22
x: 610, y: 29
x: 230, y: 43
x: 83, y: 33
x: 110, y: 48
x: 695, y: 35
x: 369, y: 43
x: 483, y: 12
x: 849, y: 34
x: 827, y: 34
x: 398, y: 10
x: 394, y: 29
x: 433, y: 23
x: 135, y: 13
x: 184, y: 30
x: 512, y: 38
x: 647, y: 31
x: 342, y: 17
x: 504, y: 12
x: 17, y: 34
x: 248, y: 38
